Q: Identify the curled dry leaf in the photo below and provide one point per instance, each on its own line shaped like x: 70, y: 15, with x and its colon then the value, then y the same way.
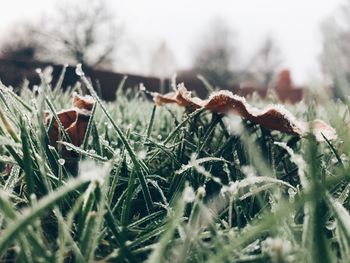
x: 181, y: 96
x: 74, y: 120
x: 83, y: 103
x: 274, y: 117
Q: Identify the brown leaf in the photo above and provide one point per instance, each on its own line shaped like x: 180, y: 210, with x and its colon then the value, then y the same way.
x: 83, y: 103
x: 274, y: 117
x: 181, y: 96
x: 160, y: 99
x: 74, y: 120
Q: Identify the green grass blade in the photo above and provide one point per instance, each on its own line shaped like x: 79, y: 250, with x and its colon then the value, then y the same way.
x: 30, y: 215
x: 139, y: 165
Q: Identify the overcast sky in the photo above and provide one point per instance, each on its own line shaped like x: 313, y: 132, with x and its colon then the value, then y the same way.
x: 294, y: 24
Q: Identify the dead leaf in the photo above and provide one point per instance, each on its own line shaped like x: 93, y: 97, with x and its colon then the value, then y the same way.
x: 181, y: 96
x: 85, y: 103
x: 274, y: 117
x: 74, y: 120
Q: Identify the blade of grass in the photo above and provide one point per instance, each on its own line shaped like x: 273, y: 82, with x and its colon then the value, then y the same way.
x: 30, y: 215
x: 138, y: 164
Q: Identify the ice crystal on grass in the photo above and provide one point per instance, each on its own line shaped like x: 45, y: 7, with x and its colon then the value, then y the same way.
x: 234, y: 124
x: 92, y: 171
x: 189, y: 194
x: 292, y: 192
x: 298, y: 160
x: 249, y: 171
x: 234, y: 189
x: 61, y: 161
x: 142, y: 155
x: 201, y: 192
x: 277, y: 248
x: 79, y: 70
x: 142, y: 87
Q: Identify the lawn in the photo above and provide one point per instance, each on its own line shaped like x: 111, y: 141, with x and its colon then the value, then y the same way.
x: 132, y: 181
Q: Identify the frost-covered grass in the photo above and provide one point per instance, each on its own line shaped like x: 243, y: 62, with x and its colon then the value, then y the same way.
x: 164, y: 184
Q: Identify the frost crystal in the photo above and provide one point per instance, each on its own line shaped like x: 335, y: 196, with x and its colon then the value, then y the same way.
x: 291, y: 193
x: 35, y: 88
x: 331, y: 225
x: 248, y: 171
x: 142, y: 87
x: 142, y: 155
x: 234, y: 188
x: 79, y: 71
x: 234, y: 124
x: 91, y: 171
x: 299, y: 161
x: 61, y: 161
x: 276, y: 246
x: 201, y: 192
x: 92, y: 151
x: 189, y: 194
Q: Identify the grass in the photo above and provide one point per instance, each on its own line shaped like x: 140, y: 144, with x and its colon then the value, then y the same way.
x: 166, y: 184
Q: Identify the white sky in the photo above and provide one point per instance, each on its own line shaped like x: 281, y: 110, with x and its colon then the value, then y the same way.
x: 294, y: 24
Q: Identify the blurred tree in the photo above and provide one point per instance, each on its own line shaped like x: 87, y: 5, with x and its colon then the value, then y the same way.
x: 84, y: 32
x: 335, y: 54
x: 163, y: 63
x: 265, y: 62
x: 21, y: 44
x: 215, y: 54
x: 79, y: 32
